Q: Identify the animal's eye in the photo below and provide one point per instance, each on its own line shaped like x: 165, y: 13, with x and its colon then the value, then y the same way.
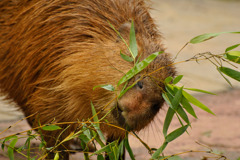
x: 140, y: 84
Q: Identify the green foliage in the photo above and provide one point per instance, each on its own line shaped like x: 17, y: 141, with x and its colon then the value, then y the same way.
x: 51, y: 127
x: 138, y: 68
x: 230, y: 72
x: 205, y: 37
x: 108, y: 87
x: 11, y: 146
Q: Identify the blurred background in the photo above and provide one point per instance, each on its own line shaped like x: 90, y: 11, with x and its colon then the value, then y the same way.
x: 179, y: 21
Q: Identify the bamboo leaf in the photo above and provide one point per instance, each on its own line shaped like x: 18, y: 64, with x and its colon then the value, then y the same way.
x: 51, y: 128
x: 168, y: 80
x: 133, y: 41
x: 205, y: 37
x: 230, y: 72
x: 125, y: 57
x: 94, y: 113
x: 100, y: 157
x: 176, y: 133
x: 11, y: 147
x: 138, y: 67
x: 128, y: 148
x: 199, y: 90
x: 183, y: 114
x: 108, y: 87
x: 56, y: 157
x: 233, y: 56
x: 159, y: 151
x: 96, y: 125
x: 106, y: 148
x: 232, y: 47
x: 168, y: 120
x: 121, y: 149
x: 7, y: 139
x: 196, y: 102
x: 177, y: 79
x: 177, y: 98
x: 224, y: 77
x: 187, y: 106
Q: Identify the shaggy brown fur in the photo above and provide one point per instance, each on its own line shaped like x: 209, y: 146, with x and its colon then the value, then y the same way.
x: 53, y: 52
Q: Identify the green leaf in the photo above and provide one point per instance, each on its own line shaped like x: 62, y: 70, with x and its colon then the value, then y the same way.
x: 106, y: 148
x: 159, y: 151
x: 169, y: 89
x: 196, y: 102
x: 187, y: 106
x: 94, y: 113
x: 205, y: 37
x: 125, y: 57
x: 183, y: 114
x: 7, y: 139
x: 121, y: 149
x: 168, y: 80
x: 234, y: 53
x: 168, y: 120
x: 51, y: 127
x: 232, y: 47
x: 177, y: 98
x: 199, y: 90
x: 28, y: 142
x: 133, y: 42
x: 96, y: 125
x: 138, y: 67
x: 42, y: 144
x: 108, y: 87
x: 56, y: 157
x: 176, y: 133
x: 11, y: 147
x: 100, y: 141
x: 173, y: 98
x: 230, y: 72
x: 87, y: 132
x: 84, y: 140
x: 224, y: 77
x: 177, y: 79
x: 233, y: 56
x: 128, y: 148
x: 100, y: 157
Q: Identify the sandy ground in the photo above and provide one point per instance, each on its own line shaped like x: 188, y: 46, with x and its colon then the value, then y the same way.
x: 179, y: 21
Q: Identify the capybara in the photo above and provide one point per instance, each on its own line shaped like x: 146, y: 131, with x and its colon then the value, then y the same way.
x: 54, y: 52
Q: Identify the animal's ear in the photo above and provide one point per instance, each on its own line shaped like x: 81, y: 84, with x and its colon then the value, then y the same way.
x: 124, y: 30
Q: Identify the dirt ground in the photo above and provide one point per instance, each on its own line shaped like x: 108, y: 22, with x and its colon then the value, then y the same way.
x: 179, y: 21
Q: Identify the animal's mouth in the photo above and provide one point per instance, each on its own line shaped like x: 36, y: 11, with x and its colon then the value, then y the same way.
x: 117, y: 113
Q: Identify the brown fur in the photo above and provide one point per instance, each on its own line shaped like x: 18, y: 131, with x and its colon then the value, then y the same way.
x: 52, y: 54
